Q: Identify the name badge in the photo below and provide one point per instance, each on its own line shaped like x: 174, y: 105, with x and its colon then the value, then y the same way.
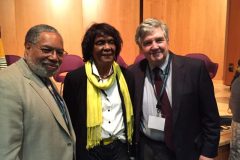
x: 157, y: 123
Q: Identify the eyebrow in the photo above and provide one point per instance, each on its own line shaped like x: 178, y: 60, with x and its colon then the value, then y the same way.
x: 51, y: 47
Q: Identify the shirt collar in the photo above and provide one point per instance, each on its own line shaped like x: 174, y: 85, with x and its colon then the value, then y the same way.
x: 163, y: 66
x: 96, y: 73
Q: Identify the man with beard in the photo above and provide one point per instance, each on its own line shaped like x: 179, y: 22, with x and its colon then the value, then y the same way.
x: 34, y: 120
x: 176, y: 115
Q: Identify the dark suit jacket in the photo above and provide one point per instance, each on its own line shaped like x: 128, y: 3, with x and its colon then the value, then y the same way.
x: 196, y: 127
x: 74, y: 94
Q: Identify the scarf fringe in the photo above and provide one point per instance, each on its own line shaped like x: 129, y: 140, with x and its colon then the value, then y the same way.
x: 93, y: 136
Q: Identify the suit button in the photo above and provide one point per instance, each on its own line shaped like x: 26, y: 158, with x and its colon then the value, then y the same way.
x: 69, y: 144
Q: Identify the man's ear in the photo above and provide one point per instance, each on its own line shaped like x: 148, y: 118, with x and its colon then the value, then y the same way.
x: 27, y: 45
x: 27, y: 49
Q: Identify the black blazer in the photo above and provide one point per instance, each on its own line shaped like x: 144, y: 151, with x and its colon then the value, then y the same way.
x: 196, y: 128
x: 75, y: 96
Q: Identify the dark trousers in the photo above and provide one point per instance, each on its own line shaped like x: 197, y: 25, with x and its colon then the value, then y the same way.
x: 154, y: 150
x: 114, y: 151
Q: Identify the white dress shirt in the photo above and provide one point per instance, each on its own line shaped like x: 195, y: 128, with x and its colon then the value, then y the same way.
x: 112, y: 125
x: 150, y: 101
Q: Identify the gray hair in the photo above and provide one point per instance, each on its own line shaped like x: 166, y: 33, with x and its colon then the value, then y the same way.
x: 147, y: 26
x: 34, y: 32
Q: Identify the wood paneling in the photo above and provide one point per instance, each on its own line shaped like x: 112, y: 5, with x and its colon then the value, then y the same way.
x: 223, y: 152
x: 232, y: 40
x: 66, y: 17
x: 18, y: 16
x: 195, y: 26
x: 123, y: 15
x: 8, y: 26
x: 71, y: 18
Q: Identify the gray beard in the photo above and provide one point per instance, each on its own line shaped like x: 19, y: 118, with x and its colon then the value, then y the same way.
x: 38, y: 68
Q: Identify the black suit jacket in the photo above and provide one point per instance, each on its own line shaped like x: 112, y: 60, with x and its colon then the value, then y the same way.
x: 75, y: 96
x: 196, y: 127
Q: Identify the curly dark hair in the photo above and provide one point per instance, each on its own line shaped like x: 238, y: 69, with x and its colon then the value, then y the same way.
x: 99, y: 29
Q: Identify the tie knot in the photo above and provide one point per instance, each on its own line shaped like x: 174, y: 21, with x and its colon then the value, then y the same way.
x: 157, y: 72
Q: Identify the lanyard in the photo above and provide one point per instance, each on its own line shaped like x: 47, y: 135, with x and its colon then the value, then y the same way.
x: 165, y: 77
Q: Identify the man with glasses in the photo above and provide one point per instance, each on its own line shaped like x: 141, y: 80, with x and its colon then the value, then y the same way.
x: 35, y: 124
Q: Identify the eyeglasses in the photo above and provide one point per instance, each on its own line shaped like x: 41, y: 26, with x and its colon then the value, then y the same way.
x: 47, y: 50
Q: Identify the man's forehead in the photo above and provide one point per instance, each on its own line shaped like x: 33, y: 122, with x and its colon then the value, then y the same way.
x: 45, y: 33
x: 153, y: 35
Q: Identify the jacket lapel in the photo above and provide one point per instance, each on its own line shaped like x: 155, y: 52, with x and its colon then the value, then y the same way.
x: 140, y: 75
x: 70, y: 127
x: 43, y: 92
x: 178, y: 75
x: 51, y: 103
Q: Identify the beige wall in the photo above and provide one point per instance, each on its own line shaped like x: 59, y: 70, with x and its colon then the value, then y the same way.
x: 195, y: 26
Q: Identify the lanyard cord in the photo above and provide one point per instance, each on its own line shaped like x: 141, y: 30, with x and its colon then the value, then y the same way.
x: 165, y: 77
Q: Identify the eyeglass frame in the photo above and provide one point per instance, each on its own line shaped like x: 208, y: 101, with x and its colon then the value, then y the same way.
x: 48, y: 50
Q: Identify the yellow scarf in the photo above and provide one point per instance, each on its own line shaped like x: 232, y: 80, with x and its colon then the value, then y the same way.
x: 94, y: 104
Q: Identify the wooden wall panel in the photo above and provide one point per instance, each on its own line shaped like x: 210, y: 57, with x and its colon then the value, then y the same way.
x: 71, y: 18
x: 64, y: 15
x: 232, y: 54
x: 8, y: 26
x: 20, y: 15
x: 123, y: 15
x: 195, y: 26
